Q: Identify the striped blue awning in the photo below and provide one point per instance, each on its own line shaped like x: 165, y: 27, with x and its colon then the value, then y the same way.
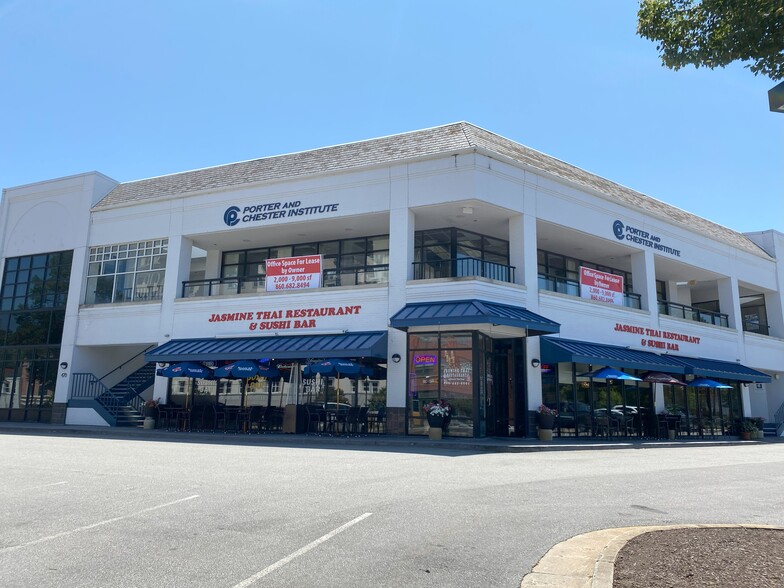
x: 555, y: 350
x: 360, y: 344
x: 464, y: 312
x: 714, y: 368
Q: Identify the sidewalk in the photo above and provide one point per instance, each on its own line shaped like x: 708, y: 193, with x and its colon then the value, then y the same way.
x: 370, y: 441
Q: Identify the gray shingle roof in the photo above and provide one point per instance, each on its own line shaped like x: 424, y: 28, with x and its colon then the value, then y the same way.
x: 447, y: 139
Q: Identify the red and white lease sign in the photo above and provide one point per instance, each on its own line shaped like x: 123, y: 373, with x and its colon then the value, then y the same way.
x: 293, y: 273
x: 601, y: 286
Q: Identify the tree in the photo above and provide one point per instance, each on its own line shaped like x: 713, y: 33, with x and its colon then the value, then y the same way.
x: 714, y: 33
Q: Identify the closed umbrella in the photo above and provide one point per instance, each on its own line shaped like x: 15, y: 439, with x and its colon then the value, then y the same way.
x: 295, y: 379
x: 333, y: 368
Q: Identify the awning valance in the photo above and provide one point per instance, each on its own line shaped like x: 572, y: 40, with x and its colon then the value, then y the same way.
x: 465, y: 312
x: 714, y: 368
x: 359, y: 344
x: 554, y: 350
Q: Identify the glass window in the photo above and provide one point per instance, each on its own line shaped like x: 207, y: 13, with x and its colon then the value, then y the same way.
x: 354, y: 266
x: 116, y: 279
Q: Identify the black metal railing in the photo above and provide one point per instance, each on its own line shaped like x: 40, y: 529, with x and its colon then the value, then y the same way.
x: 141, y: 294
x: 693, y: 314
x: 376, y: 274
x: 572, y: 288
x: 756, y: 327
x: 463, y: 267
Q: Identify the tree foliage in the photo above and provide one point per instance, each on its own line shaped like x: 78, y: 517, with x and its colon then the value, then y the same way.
x: 715, y: 33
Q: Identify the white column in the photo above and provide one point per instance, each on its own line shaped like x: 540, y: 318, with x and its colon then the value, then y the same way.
x: 644, y: 278
x: 517, y: 247
x: 79, y: 264
x: 178, y: 264
x: 402, y: 226
x: 530, y: 268
x: 213, y: 264
x: 533, y: 375
x: 729, y: 301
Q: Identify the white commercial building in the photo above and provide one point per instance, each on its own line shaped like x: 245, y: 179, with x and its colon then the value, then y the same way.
x: 450, y: 263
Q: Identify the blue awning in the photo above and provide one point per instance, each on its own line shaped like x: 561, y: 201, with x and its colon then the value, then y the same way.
x: 554, y: 350
x: 464, y: 312
x: 360, y: 344
x: 714, y: 368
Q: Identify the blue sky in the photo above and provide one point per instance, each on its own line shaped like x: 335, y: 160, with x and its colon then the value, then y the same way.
x: 146, y: 88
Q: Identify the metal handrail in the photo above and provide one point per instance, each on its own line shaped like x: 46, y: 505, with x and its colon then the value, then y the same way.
x: 463, y: 267
x: 126, y: 362
x: 86, y: 385
x: 562, y: 285
x: 778, y: 418
x: 756, y: 327
x: 694, y: 314
x: 370, y: 274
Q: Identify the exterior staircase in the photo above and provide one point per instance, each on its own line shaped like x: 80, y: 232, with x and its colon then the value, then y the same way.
x: 770, y: 429
x: 123, y: 400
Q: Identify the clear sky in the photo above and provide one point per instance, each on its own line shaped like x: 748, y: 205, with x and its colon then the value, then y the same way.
x: 143, y: 88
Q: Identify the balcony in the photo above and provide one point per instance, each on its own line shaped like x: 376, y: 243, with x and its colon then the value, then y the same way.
x: 552, y: 283
x: 463, y: 267
x: 756, y: 327
x: 257, y: 285
x: 693, y: 314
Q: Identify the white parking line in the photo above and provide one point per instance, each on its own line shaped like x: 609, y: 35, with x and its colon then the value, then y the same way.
x: 308, y: 547
x: 47, y: 485
x: 88, y: 527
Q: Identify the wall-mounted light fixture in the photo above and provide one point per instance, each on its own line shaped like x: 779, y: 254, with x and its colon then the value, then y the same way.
x: 63, y: 365
x: 535, y: 362
x: 396, y: 357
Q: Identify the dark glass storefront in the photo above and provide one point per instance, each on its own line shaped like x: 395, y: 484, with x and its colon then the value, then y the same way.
x: 32, y: 313
x: 599, y: 408
x: 480, y: 377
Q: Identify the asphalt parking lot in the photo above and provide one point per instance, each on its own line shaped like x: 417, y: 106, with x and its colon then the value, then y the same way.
x: 101, y: 511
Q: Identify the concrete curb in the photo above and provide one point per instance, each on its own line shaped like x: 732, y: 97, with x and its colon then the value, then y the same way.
x: 588, y: 560
x: 380, y: 442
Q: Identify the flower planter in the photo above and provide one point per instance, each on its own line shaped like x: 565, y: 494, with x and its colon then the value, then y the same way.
x: 745, y: 435
x: 545, y: 434
x: 546, y: 421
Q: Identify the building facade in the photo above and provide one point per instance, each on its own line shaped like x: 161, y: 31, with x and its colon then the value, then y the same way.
x: 450, y: 263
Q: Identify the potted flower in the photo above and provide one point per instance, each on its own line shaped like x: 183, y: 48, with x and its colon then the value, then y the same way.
x: 151, y: 408
x: 747, y: 427
x: 546, y: 421
x: 759, y: 422
x: 546, y: 416
x: 439, y: 413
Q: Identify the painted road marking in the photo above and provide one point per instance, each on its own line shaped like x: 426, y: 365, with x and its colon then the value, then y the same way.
x: 94, y: 525
x: 296, y: 554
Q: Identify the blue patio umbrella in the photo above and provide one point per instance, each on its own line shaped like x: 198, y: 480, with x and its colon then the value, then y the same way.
x: 608, y: 373
x: 707, y: 383
x: 186, y: 369
x: 333, y: 367
x: 244, y: 369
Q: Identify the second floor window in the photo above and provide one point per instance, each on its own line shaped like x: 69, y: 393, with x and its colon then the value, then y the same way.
x: 345, y: 262
x: 126, y: 272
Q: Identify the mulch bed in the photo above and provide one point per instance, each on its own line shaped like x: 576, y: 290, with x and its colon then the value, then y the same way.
x: 728, y: 557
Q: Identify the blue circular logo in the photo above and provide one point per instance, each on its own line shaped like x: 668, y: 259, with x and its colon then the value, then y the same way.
x: 618, y: 229
x: 232, y: 216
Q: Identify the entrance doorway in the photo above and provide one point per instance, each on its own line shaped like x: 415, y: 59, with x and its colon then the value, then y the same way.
x: 505, y: 391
